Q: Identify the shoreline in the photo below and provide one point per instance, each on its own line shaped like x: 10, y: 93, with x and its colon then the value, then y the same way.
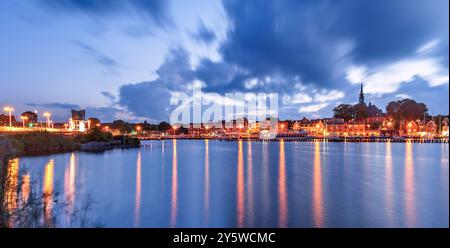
x: 8, y: 151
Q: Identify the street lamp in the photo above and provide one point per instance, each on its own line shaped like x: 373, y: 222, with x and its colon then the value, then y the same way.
x: 174, y: 129
x: 47, y: 114
x: 9, y: 110
x: 24, y: 118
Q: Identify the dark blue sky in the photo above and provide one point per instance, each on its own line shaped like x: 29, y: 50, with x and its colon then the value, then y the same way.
x: 121, y: 59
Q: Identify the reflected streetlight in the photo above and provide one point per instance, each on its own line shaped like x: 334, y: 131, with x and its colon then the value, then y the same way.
x: 9, y: 110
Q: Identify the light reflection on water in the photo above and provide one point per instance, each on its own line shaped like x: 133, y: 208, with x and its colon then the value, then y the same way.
x: 282, y: 191
x: 174, y: 205
x: 209, y: 183
x: 317, y: 188
x: 206, y: 203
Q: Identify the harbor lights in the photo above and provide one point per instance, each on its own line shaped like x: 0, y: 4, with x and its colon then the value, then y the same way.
x: 138, y: 129
x: 23, y: 118
x: 9, y: 110
x: 106, y: 128
x: 47, y: 114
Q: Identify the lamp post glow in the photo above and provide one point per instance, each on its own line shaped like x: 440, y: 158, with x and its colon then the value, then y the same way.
x: 9, y: 110
x: 174, y: 129
x: 47, y: 114
x: 24, y: 118
x: 138, y: 129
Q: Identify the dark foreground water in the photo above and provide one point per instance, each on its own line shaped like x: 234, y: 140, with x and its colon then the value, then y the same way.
x: 247, y: 184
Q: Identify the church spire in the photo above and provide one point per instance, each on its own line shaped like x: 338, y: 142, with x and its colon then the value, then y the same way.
x: 361, y: 94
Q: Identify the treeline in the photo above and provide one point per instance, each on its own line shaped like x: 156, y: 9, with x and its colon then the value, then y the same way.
x: 126, y: 127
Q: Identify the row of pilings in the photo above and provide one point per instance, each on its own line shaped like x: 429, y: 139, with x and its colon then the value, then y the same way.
x: 320, y: 139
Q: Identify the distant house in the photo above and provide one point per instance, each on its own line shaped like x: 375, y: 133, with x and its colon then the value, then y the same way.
x: 78, y: 120
x: 445, y: 127
x: 4, y: 119
x: 313, y: 127
x: 430, y: 127
x: 412, y: 128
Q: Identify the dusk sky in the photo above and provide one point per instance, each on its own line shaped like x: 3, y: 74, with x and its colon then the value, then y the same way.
x: 121, y: 59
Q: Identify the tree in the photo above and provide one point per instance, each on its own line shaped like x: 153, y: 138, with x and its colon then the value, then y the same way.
x: 96, y: 134
x: 122, y: 126
x: 183, y: 130
x: 344, y: 111
x: 360, y: 111
x: 164, y: 126
x: 32, y: 116
x: 406, y: 109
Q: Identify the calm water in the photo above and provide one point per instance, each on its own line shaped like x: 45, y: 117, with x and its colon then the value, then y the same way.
x: 250, y: 184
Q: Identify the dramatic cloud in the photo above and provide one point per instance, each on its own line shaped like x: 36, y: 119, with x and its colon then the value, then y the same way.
x: 111, y: 97
x: 155, y: 10
x: 152, y: 99
x: 204, y: 34
x: 101, y: 58
x: 312, y: 108
x: 317, y: 40
x: 314, y: 53
x: 55, y: 105
x: 387, y: 78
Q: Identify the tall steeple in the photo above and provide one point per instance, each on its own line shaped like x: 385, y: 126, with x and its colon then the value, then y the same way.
x: 361, y: 94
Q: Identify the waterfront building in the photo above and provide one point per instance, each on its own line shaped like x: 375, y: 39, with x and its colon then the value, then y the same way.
x: 351, y: 129
x: 313, y: 127
x: 296, y: 126
x: 283, y: 126
x: 78, y: 121
x: 411, y: 128
x: 444, y: 127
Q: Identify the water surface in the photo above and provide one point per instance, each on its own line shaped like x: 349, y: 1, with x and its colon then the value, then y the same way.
x: 201, y: 183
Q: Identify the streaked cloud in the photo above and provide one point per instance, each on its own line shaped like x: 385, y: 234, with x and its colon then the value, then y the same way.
x: 312, y: 108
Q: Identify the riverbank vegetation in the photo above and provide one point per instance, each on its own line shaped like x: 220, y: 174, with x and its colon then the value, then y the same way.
x: 39, y: 142
x: 24, y: 204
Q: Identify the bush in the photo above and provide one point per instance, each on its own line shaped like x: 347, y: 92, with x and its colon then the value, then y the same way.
x: 95, y: 134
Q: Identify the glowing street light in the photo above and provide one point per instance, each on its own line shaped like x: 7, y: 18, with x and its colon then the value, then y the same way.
x: 47, y: 114
x: 9, y: 110
x: 24, y: 118
x: 174, y: 129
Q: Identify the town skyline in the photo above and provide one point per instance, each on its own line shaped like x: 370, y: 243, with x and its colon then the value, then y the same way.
x: 372, y: 109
